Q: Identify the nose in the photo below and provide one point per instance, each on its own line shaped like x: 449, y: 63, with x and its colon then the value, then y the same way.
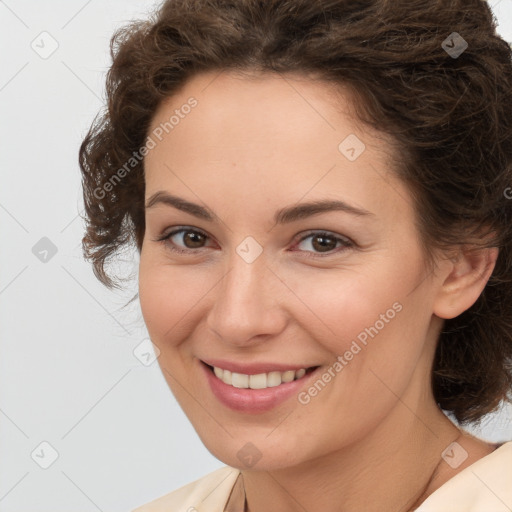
x: 246, y: 305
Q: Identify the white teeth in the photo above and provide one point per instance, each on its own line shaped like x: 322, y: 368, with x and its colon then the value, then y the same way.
x: 273, y: 379
x: 288, y: 376
x: 258, y: 381
x: 239, y: 380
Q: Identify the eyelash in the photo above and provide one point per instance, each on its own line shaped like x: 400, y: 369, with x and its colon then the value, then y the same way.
x: 347, y: 243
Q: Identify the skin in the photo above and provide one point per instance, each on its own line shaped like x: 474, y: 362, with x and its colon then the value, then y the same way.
x: 252, y: 145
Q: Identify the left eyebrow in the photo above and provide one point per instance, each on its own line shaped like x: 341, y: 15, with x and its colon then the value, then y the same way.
x: 282, y: 216
x: 304, y: 210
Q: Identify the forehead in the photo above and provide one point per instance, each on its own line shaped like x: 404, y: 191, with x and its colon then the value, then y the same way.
x: 281, y: 137
x: 261, y: 110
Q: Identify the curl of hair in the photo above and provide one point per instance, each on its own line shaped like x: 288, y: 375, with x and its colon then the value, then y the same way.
x: 451, y: 120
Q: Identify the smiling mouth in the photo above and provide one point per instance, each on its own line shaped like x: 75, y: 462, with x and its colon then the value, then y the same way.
x: 260, y: 380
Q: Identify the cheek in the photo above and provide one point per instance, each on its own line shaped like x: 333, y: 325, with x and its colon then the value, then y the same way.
x: 170, y: 297
x: 368, y: 317
x: 339, y: 305
x: 161, y: 296
x: 375, y: 332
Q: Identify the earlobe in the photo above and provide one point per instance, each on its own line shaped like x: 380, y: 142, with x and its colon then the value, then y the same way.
x: 465, y: 280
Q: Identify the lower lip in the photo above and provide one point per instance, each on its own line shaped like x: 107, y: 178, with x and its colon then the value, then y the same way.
x: 253, y: 400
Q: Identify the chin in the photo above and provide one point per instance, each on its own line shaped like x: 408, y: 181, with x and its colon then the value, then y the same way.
x: 247, y: 455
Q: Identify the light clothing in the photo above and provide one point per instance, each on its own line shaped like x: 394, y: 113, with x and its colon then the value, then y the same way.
x: 484, y: 486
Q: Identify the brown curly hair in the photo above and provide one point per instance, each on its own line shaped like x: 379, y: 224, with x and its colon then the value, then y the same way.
x: 449, y: 114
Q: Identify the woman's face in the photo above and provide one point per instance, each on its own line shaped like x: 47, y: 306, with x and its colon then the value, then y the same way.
x: 267, y: 282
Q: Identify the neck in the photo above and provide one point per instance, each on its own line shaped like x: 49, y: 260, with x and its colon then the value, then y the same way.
x: 391, y: 469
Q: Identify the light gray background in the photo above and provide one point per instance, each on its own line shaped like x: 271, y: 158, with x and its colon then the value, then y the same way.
x: 68, y: 374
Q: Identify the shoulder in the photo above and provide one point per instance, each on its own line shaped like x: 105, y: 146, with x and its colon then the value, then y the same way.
x: 207, y: 494
x: 484, y: 486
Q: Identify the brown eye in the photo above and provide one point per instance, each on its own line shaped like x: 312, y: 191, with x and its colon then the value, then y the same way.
x: 193, y: 239
x: 324, y: 244
x: 184, y: 240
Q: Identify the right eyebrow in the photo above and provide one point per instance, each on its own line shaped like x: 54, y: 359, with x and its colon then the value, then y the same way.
x: 196, y: 210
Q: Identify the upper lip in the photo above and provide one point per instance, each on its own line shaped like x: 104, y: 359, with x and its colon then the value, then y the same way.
x: 253, y: 368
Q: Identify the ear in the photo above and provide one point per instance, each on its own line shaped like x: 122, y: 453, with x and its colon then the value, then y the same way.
x: 468, y: 273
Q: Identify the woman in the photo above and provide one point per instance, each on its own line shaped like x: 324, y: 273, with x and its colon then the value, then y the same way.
x: 318, y: 192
